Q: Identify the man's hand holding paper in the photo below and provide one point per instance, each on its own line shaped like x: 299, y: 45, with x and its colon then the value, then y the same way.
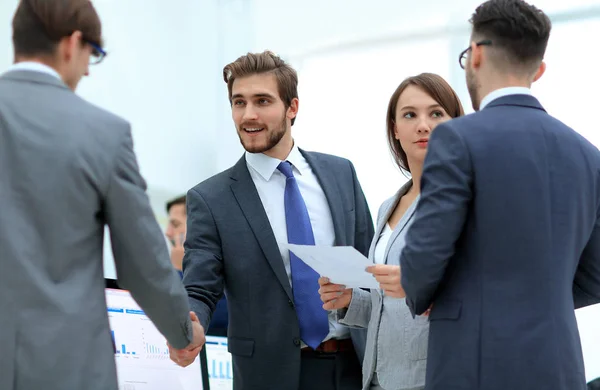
x: 334, y: 296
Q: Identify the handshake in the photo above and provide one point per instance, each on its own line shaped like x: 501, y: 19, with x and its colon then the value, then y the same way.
x: 185, y: 357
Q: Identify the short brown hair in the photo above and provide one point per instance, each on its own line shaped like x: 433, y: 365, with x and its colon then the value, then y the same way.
x: 174, y: 202
x: 265, y: 62
x: 439, y: 90
x: 39, y: 25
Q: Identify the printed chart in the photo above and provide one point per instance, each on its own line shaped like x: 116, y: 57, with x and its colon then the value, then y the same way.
x: 142, y: 354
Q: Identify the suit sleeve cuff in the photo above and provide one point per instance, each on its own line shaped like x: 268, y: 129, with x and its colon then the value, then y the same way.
x: 358, y: 313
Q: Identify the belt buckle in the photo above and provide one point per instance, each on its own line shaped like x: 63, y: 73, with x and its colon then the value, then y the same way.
x: 335, y: 346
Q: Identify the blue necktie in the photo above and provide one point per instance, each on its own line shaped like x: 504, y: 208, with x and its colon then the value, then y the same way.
x: 312, y: 318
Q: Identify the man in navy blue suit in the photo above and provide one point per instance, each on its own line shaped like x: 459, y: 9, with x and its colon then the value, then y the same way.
x: 506, y: 238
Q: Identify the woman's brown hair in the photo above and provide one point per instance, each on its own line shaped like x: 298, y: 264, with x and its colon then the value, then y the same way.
x: 439, y: 90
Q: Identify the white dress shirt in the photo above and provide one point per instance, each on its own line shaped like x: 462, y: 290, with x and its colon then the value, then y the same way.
x: 382, y: 243
x: 270, y: 184
x: 34, y: 66
x: 503, y: 92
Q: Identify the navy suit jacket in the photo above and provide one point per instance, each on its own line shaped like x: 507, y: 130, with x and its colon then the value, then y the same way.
x: 230, y: 247
x: 505, y: 244
x: 219, y: 320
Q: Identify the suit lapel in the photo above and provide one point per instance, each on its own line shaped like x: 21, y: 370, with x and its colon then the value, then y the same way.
x: 386, y: 213
x: 399, y: 228
x: 249, y: 201
x: 405, y: 218
x: 328, y: 182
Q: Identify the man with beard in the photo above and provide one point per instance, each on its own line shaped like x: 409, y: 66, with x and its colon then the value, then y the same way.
x: 239, y: 223
x: 506, y: 237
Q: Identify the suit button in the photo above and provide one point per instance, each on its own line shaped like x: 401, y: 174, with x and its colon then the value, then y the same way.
x: 290, y: 303
x: 296, y: 341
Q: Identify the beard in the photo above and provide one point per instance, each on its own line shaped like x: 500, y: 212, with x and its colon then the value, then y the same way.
x: 273, y: 136
x: 473, y: 87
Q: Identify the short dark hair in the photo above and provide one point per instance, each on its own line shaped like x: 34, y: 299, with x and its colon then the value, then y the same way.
x: 439, y: 90
x: 260, y: 63
x: 515, y: 27
x: 39, y: 25
x: 176, y: 201
x: 594, y: 385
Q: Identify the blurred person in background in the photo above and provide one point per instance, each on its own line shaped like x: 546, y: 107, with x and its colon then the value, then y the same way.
x: 396, y: 351
x: 176, y: 228
x: 175, y: 232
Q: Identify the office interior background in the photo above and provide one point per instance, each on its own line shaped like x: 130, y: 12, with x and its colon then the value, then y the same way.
x: 164, y: 74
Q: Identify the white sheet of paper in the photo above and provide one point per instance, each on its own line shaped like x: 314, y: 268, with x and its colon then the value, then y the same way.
x: 341, y: 264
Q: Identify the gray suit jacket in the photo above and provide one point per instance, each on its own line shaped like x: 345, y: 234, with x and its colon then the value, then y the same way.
x: 67, y: 168
x: 230, y: 247
x: 396, y: 343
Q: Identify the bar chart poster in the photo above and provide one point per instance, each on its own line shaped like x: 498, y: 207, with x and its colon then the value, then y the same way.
x: 220, y: 369
x: 141, y: 351
x: 135, y: 336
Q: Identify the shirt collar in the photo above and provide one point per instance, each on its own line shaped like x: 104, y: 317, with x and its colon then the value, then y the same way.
x: 266, y: 165
x: 503, y: 92
x: 35, y: 67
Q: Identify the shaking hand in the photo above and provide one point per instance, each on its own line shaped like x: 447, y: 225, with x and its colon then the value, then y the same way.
x: 185, y: 357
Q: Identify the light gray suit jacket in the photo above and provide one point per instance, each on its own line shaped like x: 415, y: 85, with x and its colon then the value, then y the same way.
x: 396, y: 343
x: 67, y: 168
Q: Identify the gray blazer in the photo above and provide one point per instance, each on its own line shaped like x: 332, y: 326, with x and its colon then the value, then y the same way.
x: 230, y: 247
x: 396, y: 343
x: 67, y: 169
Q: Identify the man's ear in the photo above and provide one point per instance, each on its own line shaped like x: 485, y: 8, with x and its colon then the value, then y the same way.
x: 71, y: 43
x: 540, y: 72
x: 292, y: 110
x: 476, y: 55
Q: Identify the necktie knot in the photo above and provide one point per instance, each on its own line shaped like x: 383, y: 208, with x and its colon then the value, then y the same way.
x: 285, y: 167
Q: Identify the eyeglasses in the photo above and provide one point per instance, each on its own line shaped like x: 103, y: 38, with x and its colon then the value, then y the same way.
x: 98, y: 53
x: 462, y: 59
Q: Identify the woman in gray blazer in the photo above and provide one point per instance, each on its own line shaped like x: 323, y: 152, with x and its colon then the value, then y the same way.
x: 396, y: 350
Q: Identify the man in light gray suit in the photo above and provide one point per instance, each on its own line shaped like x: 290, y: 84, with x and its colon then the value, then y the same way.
x: 67, y: 168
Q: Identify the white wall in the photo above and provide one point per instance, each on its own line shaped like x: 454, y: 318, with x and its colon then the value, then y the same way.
x: 161, y: 75
x: 236, y: 26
